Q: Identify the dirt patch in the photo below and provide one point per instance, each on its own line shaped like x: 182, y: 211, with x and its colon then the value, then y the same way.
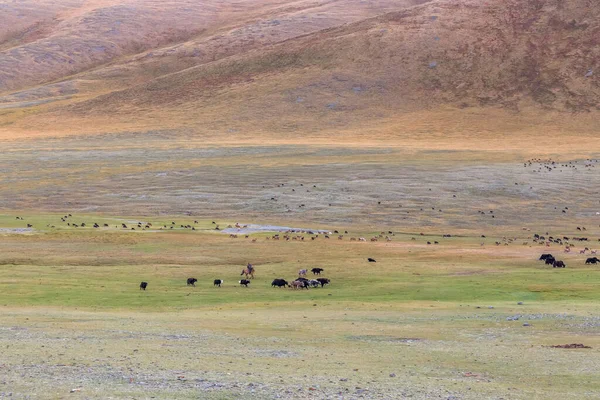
x: 570, y: 346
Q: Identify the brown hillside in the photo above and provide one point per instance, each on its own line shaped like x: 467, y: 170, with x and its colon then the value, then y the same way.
x: 536, y: 58
x: 47, y: 42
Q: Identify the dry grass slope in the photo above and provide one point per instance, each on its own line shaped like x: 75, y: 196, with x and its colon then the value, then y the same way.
x: 309, y: 68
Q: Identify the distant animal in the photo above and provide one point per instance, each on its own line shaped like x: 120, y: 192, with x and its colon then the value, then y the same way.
x: 302, y: 272
x: 279, y: 283
x: 192, y: 281
x: 550, y: 260
x: 218, y: 282
x: 317, y: 271
x: 323, y: 281
x: 314, y: 283
x: 143, y: 285
x: 371, y: 259
x: 592, y: 260
x: 558, y: 264
x: 244, y: 282
x: 299, y: 285
x: 545, y: 256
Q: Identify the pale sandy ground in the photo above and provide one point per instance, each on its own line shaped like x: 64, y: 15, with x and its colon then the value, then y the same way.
x: 299, y: 354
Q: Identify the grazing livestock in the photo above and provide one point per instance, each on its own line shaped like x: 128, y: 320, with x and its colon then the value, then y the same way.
x: 543, y: 257
x: 550, y: 260
x: 371, y: 259
x: 279, y: 283
x: 299, y: 285
x: 302, y: 272
x: 592, y: 260
x: 192, y: 281
x: 317, y: 271
x: 559, y: 264
x: 218, y: 282
x: 314, y: 283
x: 143, y: 285
x: 323, y: 281
x: 244, y: 282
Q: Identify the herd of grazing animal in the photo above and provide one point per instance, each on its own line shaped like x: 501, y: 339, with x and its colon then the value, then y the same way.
x: 549, y: 259
x: 298, y: 234
x: 304, y: 283
x: 300, y: 283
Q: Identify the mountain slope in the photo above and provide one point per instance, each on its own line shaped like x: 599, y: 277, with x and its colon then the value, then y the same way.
x: 538, y: 57
x: 120, y: 43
